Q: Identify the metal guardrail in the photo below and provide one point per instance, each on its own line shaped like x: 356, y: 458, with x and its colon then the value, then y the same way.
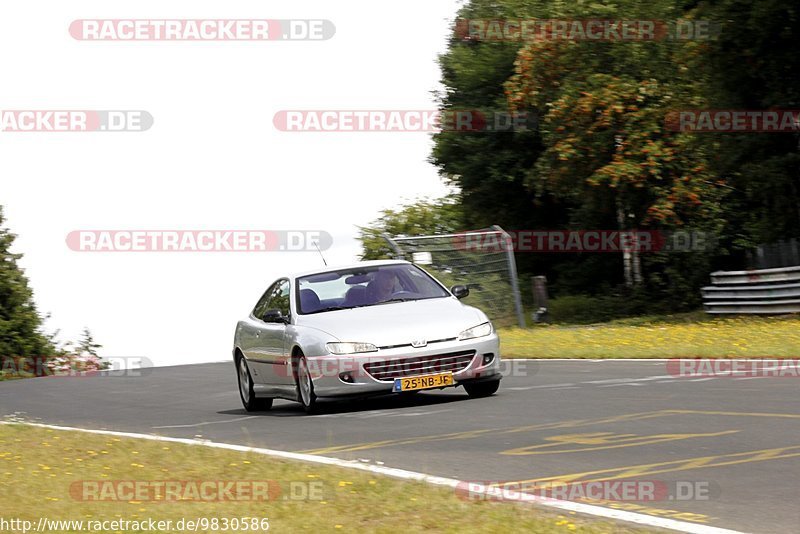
x: 762, y: 291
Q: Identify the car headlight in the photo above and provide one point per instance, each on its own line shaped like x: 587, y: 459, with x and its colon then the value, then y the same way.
x: 476, y: 331
x: 350, y: 348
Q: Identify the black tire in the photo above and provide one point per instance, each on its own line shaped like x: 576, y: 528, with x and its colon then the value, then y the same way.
x: 482, y: 389
x: 305, y: 393
x: 249, y: 400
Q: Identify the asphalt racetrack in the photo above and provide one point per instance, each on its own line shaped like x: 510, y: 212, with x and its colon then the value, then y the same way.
x: 726, y: 449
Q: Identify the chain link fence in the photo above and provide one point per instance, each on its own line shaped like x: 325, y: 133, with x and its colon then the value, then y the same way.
x: 483, y: 260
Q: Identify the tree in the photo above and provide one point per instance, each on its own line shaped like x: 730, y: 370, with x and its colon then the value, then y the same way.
x: 25, y: 349
x: 21, y: 333
x: 422, y: 217
x: 86, y: 345
x: 756, y: 67
x: 489, y: 168
x: 606, y: 148
x: 80, y: 357
x: 601, y: 157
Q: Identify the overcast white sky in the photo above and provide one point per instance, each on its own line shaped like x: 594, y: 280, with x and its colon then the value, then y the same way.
x: 212, y: 160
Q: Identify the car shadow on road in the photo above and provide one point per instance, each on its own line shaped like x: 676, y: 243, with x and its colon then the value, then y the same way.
x: 358, y: 407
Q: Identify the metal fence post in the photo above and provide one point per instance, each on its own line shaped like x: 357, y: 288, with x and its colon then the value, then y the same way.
x: 397, y: 252
x: 539, y: 284
x: 512, y: 269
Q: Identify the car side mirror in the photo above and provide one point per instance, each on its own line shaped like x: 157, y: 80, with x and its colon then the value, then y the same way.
x: 274, y: 316
x: 459, y: 291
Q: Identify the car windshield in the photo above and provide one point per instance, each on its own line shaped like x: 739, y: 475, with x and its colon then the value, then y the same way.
x: 365, y: 286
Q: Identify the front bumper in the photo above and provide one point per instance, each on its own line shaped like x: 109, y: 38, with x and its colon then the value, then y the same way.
x: 326, y: 371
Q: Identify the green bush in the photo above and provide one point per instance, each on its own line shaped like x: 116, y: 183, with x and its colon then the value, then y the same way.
x: 583, y: 309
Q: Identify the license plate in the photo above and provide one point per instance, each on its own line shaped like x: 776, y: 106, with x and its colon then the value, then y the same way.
x: 413, y: 383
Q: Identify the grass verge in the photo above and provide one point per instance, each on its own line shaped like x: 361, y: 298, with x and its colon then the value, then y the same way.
x: 680, y: 336
x: 42, y: 471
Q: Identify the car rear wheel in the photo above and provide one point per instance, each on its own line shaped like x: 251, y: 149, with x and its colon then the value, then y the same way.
x: 305, y: 386
x: 249, y: 400
x: 482, y: 389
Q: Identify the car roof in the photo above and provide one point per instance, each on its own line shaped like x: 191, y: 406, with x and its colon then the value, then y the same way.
x: 370, y: 263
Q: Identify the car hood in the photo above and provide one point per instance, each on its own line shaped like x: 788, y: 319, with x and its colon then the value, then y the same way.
x: 397, y: 323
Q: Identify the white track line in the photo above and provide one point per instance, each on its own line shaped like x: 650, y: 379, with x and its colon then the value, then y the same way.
x: 525, y: 388
x: 599, y: 511
x: 204, y: 423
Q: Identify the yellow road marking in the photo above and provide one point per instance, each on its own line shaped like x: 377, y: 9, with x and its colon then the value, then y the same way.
x: 736, y: 414
x: 543, y: 426
x: 604, y: 440
x: 476, y: 433
x: 649, y: 510
x: 616, y: 473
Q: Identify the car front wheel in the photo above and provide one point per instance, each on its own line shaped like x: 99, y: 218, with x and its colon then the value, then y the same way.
x: 305, y: 386
x: 482, y: 389
x: 249, y: 400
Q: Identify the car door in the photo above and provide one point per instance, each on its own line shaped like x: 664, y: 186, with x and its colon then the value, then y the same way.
x: 270, y: 364
x: 249, y: 334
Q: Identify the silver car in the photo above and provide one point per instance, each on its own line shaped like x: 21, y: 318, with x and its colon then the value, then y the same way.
x: 377, y: 327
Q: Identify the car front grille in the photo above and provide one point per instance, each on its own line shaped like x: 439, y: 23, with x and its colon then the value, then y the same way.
x: 388, y: 370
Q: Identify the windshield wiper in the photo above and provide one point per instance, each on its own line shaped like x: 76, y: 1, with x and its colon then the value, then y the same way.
x: 337, y: 308
x: 397, y: 299
x: 332, y: 308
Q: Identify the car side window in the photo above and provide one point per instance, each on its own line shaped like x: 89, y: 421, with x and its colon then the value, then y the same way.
x: 280, y: 298
x: 263, y: 302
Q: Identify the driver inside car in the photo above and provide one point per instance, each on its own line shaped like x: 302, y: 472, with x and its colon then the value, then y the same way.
x: 382, y: 287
